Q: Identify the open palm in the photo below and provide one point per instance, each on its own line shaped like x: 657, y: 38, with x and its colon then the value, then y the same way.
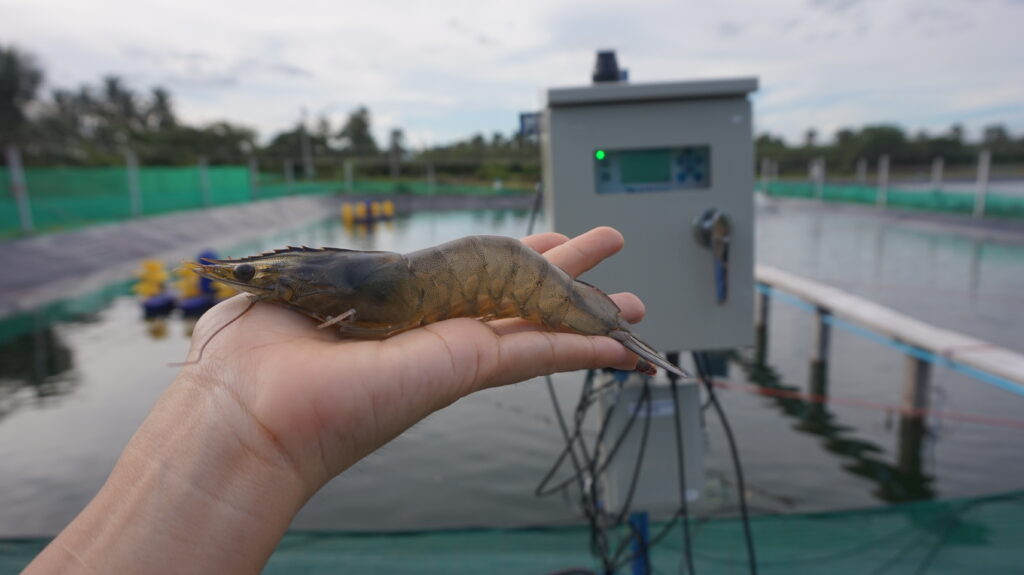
x: 321, y: 403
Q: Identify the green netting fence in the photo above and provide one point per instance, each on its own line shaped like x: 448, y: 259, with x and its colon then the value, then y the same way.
x: 977, y: 535
x: 64, y: 198
x: 998, y: 205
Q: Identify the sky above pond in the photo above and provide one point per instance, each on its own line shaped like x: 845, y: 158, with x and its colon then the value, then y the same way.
x: 446, y: 69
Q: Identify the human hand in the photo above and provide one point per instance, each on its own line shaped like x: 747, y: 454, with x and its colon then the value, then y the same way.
x: 276, y: 408
x: 320, y: 403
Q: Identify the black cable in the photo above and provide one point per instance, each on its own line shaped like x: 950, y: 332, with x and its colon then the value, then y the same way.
x: 595, y: 472
x: 681, y: 464
x: 588, y: 509
x: 699, y: 359
x: 645, y: 399
x: 564, y: 428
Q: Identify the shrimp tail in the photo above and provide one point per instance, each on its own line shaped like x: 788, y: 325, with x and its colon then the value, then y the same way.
x: 646, y: 352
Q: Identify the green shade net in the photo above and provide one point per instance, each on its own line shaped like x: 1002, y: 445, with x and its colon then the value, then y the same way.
x: 998, y: 205
x: 66, y: 198
x: 978, y: 535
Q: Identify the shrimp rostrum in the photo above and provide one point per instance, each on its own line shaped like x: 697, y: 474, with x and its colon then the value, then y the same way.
x: 368, y: 294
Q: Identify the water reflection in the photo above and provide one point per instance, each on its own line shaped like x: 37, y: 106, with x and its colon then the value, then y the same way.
x: 905, y: 480
x: 38, y: 362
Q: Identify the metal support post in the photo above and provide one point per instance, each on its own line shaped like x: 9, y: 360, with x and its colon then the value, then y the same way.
x: 19, y: 190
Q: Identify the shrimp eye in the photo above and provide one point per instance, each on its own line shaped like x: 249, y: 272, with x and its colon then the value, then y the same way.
x: 245, y: 272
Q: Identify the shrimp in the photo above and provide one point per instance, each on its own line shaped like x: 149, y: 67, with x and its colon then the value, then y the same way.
x: 372, y: 295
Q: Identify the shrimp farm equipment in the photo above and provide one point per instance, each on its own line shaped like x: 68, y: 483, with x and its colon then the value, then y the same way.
x: 669, y: 164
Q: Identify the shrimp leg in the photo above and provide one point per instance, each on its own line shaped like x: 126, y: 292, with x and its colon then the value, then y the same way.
x: 350, y: 314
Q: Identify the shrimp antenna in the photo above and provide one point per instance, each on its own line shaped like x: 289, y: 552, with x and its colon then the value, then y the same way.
x: 252, y: 302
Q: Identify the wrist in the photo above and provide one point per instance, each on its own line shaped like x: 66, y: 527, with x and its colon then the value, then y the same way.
x: 199, y: 488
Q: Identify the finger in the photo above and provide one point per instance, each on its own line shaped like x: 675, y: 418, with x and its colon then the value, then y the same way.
x: 586, y: 250
x: 545, y: 241
x: 531, y: 354
x: 632, y: 311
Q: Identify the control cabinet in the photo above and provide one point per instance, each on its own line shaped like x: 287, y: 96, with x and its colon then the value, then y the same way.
x: 671, y: 166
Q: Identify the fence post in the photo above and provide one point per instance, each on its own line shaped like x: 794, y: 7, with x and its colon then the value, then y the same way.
x: 883, y: 180
x: 349, y: 175
x: 254, y: 178
x: 938, y: 165
x: 822, y: 336
x: 19, y: 190
x: 862, y: 171
x: 131, y: 162
x: 819, y: 172
x: 761, y: 325
x: 204, y: 180
x: 289, y: 176
x: 984, y: 163
x: 916, y: 387
x: 308, y: 169
x: 820, y: 344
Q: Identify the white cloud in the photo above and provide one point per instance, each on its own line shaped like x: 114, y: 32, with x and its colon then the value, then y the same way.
x: 443, y: 70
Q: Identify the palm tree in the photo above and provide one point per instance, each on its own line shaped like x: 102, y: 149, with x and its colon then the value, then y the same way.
x: 20, y: 78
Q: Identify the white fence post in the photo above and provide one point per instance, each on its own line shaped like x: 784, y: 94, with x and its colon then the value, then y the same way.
x: 984, y: 164
x: 883, y: 180
x: 938, y: 165
x: 820, y: 173
x: 289, y: 176
x: 254, y: 178
x: 19, y: 190
x: 131, y: 162
x: 204, y: 180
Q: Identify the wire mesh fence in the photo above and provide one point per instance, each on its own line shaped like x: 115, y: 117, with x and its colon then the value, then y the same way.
x: 65, y: 198
x: 995, y: 204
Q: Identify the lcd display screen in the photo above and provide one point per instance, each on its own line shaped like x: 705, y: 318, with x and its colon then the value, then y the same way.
x: 645, y: 166
x: 676, y: 168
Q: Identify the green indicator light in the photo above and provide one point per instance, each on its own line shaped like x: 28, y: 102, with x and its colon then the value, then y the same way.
x: 599, y: 154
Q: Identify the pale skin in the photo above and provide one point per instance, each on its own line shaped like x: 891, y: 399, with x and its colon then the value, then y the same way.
x: 276, y: 408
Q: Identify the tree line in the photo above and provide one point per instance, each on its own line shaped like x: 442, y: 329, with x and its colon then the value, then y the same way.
x: 905, y: 151
x: 94, y: 124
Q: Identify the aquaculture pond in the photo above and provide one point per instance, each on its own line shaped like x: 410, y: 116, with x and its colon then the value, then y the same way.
x: 74, y: 385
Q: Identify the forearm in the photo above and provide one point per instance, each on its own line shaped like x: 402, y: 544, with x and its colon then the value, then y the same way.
x: 197, y: 489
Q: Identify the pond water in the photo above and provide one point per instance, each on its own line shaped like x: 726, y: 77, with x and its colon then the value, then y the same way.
x: 73, y: 391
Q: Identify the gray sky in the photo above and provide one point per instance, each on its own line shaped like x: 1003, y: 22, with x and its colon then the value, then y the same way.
x: 449, y: 68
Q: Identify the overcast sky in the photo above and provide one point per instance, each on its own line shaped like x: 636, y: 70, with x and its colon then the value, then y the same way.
x: 446, y: 69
